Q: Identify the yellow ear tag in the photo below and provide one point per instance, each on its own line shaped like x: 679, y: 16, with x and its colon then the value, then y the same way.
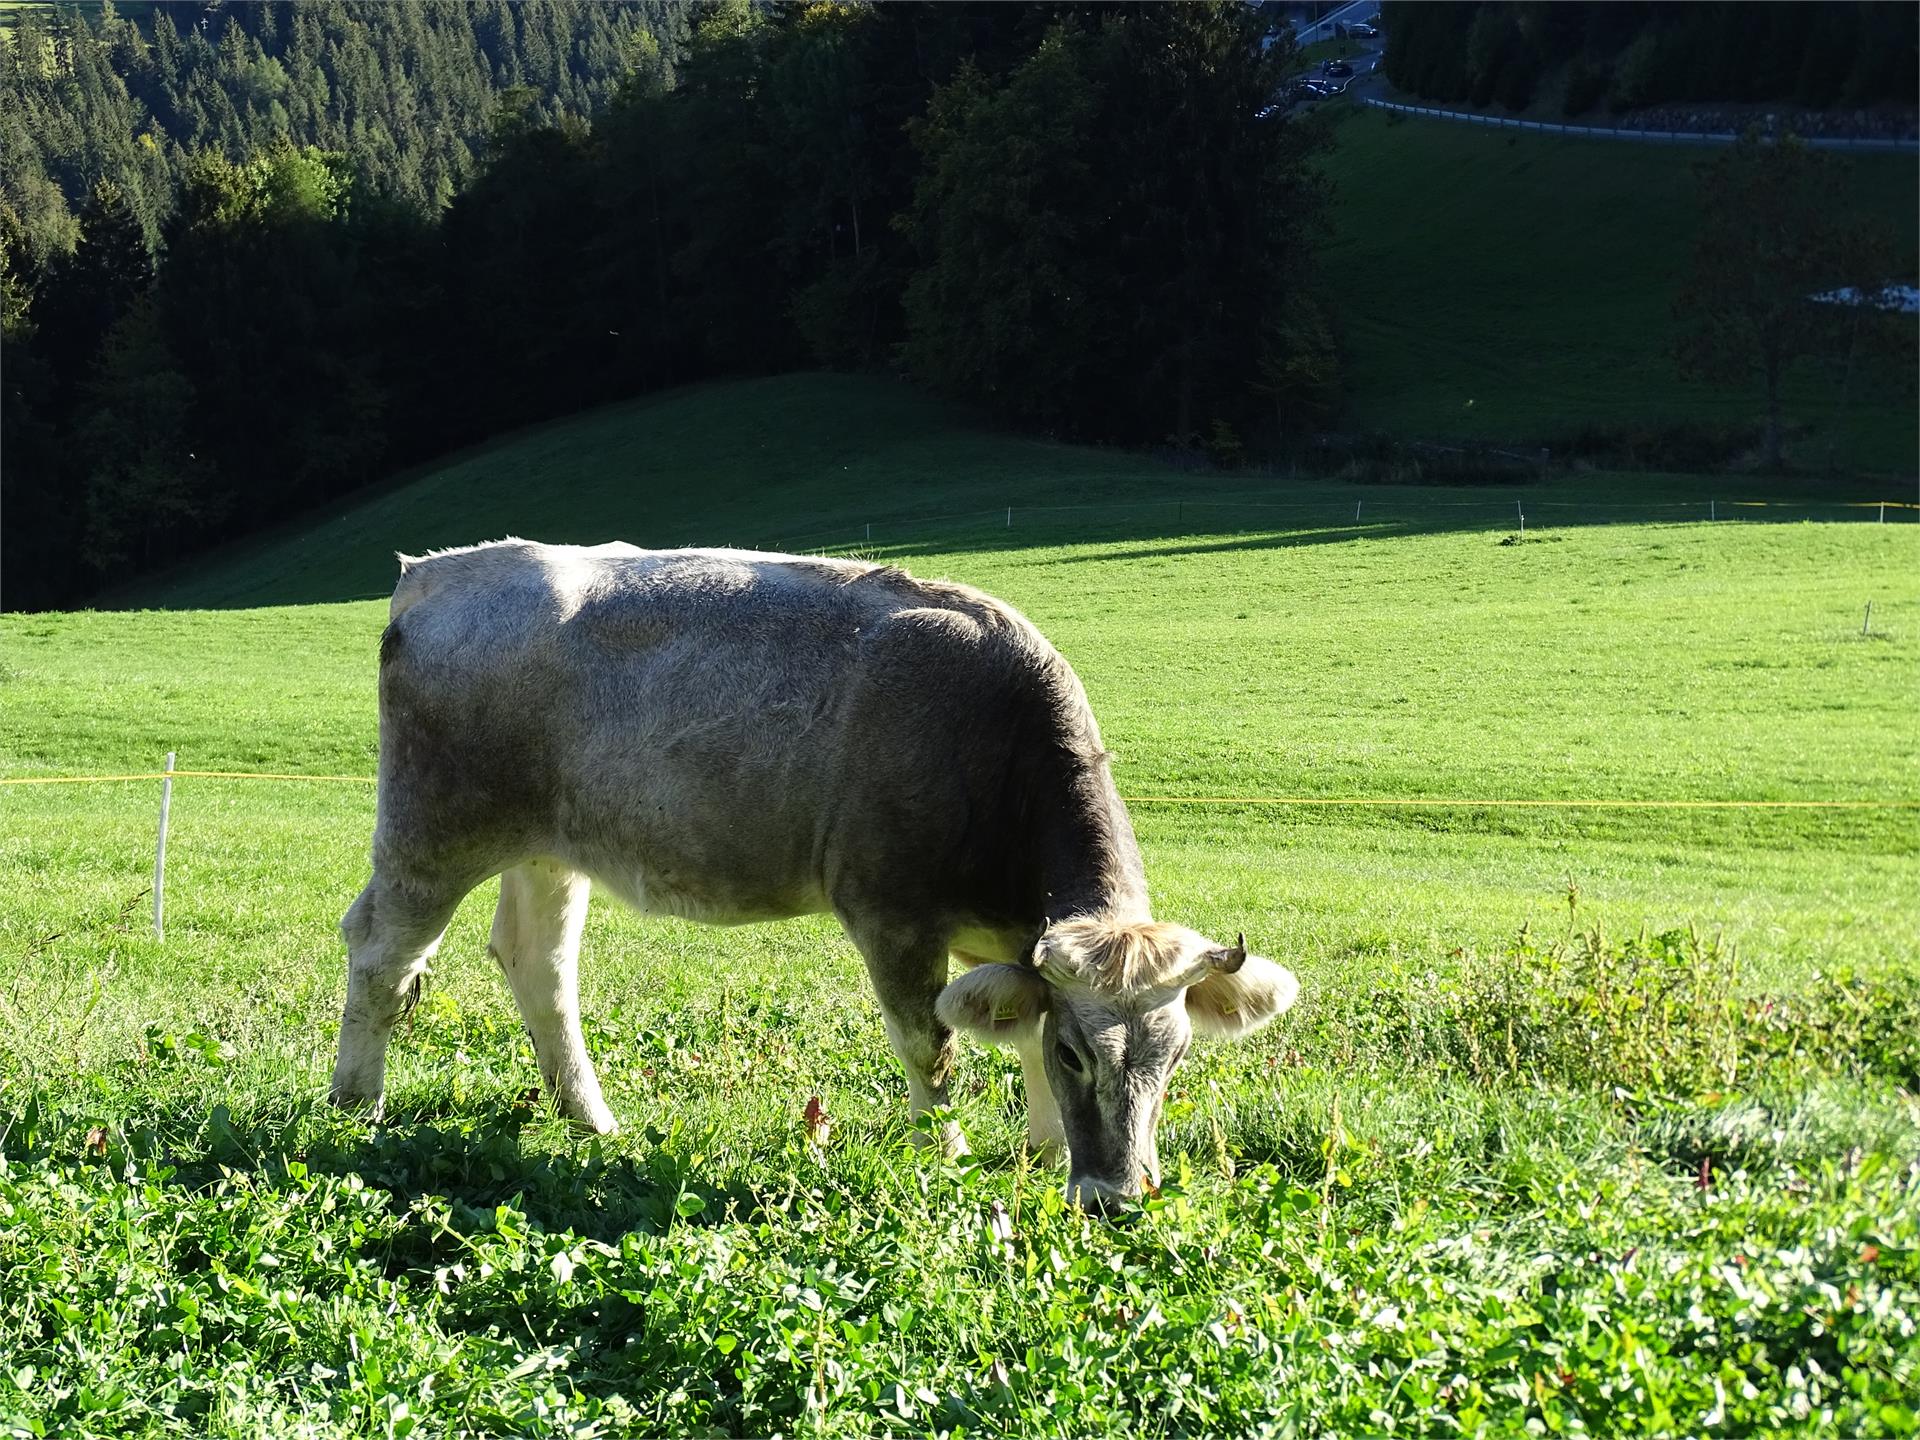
x: 1005, y: 1013
x: 1229, y: 1009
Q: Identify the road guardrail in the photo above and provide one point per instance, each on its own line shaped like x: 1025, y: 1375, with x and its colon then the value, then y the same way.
x: 1657, y: 137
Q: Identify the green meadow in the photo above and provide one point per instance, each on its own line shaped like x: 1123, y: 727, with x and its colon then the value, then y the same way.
x: 10, y: 9
x: 1590, y: 1119
x: 1511, y: 287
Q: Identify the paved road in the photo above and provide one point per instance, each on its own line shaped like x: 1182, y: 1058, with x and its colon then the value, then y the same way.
x: 1364, y: 61
x: 1322, y: 29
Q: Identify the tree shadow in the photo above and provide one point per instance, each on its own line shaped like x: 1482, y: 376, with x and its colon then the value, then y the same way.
x: 1355, y: 515
x: 446, y: 1176
x: 1231, y: 510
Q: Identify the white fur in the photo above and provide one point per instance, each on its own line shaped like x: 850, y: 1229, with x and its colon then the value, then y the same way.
x: 995, y: 1002
x: 1240, y: 1003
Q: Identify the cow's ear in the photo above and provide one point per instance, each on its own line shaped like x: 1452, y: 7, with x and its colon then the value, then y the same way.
x: 1238, y: 1002
x: 995, y: 1002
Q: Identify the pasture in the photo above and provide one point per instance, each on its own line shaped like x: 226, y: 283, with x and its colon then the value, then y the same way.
x: 1589, y: 1120
x: 1513, y: 287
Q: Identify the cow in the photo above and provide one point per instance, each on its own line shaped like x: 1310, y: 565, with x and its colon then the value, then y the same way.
x: 731, y: 736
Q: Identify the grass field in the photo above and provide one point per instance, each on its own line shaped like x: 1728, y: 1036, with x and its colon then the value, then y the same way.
x: 1506, y: 286
x: 1577, y: 1182
x: 10, y: 12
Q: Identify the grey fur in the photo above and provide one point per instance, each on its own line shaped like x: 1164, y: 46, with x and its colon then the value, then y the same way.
x: 733, y: 737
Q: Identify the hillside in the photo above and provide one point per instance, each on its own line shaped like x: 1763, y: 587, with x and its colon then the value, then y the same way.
x: 811, y: 460
x: 1512, y: 1145
x: 1511, y: 287
x: 408, y: 91
x: 793, y: 461
x: 1259, y: 643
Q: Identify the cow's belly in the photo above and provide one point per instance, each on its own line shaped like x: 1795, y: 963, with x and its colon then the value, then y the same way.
x: 737, y: 878
x: 977, y: 944
x: 710, y: 900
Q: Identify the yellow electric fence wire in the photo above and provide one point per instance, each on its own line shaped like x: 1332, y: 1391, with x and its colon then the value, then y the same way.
x: 1396, y: 800
x: 1532, y: 804
x: 175, y: 775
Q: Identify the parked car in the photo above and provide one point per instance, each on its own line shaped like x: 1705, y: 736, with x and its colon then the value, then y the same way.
x: 1336, y: 69
x: 1360, y: 32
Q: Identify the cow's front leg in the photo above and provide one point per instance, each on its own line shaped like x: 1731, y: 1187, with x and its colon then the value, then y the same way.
x: 391, y: 932
x: 536, y: 940
x: 908, y: 971
x: 1046, y: 1132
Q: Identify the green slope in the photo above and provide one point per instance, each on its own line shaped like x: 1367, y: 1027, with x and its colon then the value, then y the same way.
x: 1507, y: 286
x: 813, y: 460
x: 799, y: 460
x: 1267, y: 643
x: 1440, y: 1147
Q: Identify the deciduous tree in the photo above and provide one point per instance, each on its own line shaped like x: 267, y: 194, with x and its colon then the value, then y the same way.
x: 1775, y: 238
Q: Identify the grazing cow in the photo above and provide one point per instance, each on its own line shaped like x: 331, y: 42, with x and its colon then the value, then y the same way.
x: 729, y: 736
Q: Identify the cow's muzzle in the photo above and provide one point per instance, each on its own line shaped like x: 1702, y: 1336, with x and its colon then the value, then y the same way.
x: 1101, y: 1197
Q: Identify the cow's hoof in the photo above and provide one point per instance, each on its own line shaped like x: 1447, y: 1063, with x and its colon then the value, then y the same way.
x: 947, y: 1138
x: 342, y: 1097
x: 594, y: 1119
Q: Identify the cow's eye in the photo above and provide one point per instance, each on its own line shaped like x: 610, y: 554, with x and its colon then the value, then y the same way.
x: 1068, y: 1058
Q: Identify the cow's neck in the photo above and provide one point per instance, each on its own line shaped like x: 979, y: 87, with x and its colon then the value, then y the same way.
x: 1089, y: 862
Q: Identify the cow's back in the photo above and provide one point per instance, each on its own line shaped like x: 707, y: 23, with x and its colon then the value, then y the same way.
x: 721, y: 734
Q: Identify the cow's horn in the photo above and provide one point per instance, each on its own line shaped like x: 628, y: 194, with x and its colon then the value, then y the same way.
x: 1220, y: 960
x: 1047, y: 960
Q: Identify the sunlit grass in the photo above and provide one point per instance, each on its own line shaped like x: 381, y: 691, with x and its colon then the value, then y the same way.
x: 1464, y: 1187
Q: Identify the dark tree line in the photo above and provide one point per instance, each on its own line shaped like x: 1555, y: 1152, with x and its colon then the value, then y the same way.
x: 1633, y: 53
x: 1067, y: 213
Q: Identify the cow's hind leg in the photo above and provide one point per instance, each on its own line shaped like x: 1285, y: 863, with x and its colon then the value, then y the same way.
x: 536, y: 939
x: 391, y: 932
x: 909, y: 970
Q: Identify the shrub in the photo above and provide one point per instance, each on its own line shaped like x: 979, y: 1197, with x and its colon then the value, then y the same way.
x: 1224, y: 447
x: 1650, y: 1019
x: 1691, y: 445
x: 1587, y: 82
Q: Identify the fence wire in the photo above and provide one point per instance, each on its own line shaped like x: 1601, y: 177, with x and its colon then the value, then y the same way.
x: 1401, y: 801
x: 1379, y: 512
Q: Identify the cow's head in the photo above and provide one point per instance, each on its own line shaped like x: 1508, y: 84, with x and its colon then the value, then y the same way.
x: 1112, y: 1008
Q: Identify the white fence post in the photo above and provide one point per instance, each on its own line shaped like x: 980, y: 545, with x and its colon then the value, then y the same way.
x: 160, y: 854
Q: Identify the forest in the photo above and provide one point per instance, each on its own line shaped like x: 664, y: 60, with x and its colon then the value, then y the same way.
x: 1620, y: 55
x: 259, y: 256
x: 255, y: 257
